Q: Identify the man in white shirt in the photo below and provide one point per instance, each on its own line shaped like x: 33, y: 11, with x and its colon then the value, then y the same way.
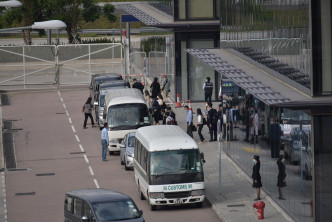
x: 286, y: 128
x: 104, y: 141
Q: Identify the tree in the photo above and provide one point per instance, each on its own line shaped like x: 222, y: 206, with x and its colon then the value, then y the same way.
x: 72, y: 12
x: 109, y: 12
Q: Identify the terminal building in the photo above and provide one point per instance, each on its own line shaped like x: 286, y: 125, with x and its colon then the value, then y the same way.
x: 274, y: 57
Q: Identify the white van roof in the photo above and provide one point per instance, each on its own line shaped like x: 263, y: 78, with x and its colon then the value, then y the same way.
x: 165, y: 137
x: 123, y: 96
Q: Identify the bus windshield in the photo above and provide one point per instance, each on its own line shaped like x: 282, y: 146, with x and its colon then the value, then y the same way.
x: 175, y: 162
x: 127, y: 116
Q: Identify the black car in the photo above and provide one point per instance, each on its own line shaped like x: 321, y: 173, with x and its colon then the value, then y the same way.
x: 100, y: 205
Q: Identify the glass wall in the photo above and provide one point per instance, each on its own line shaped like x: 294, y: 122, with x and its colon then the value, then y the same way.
x: 276, y: 32
x: 196, y: 9
x: 258, y: 129
x: 323, y: 168
x: 190, y: 72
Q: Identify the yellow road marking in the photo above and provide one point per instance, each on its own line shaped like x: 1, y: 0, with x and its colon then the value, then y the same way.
x: 250, y: 149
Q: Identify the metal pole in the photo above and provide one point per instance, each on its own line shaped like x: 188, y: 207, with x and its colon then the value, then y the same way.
x: 220, y: 143
x: 24, y: 65
x: 57, y: 71
x: 90, y: 60
x: 121, y: 29
x: 49, y: 36
x: 128, y: 34
x: 145, y: 76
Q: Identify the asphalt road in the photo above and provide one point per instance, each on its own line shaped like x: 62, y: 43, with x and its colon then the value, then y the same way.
x: 50, y: 145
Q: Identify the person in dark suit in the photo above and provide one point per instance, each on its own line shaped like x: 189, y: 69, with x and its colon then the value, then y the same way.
x: 281, y: 175
x: 212, y: 122
x: 155, y: 88
x: 257, y: 181
x: 138, y: 85
x: 275, y: 134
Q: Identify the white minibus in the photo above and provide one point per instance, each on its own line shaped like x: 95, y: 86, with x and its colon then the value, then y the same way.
x: 125, y: 111
x: 168, y: 167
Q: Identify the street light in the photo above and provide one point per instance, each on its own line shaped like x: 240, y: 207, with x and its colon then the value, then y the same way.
x: 49, y: 25
x: 11, y: 4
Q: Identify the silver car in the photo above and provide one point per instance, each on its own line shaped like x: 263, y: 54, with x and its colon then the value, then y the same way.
x: 127, y: 151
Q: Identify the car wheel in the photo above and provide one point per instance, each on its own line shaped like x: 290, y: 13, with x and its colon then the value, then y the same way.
x: 140, y: 194
x: 121, y: 161
x: 100, y: 128
x: 152, y: 207
x: 126, y: 168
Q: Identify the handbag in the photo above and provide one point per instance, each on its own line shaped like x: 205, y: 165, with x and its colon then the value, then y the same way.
x: 193, y: 128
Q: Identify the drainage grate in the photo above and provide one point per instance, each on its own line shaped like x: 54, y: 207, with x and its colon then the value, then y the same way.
x: 5, y: 100
x: 77, y: 153
x: 236, y: 205
x: 25, y: 194
x: 45, y: 174
x: 17, y: 169
x: 60, y: 113
x: 9, y: 153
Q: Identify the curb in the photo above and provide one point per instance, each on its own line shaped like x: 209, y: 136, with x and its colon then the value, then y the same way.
x: 220, y: 215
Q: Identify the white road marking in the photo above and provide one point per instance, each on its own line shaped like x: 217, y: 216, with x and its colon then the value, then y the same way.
x: 86, y: 158
x: 81, y: 147
x: 73, y: 128
x: 61, y: 99
x: 96, y: 183
x: 70, y: 120
x: 91, y: 171
x: 64, y: 105
x: 78, y: 139
x: 67, y: 113
x: 59, y: 93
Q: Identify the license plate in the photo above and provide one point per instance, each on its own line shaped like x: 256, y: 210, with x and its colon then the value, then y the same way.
x: 178, y: 201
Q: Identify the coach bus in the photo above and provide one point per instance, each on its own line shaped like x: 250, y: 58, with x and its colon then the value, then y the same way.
x: 168, y: 167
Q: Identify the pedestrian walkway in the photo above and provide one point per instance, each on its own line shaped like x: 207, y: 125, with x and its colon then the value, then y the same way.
x: 237, y: 195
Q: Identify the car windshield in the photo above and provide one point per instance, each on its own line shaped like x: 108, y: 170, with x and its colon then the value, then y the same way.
x: 175, y: 162
x: 127, y: 116
x: 131, y: 141
x: 115, y: 211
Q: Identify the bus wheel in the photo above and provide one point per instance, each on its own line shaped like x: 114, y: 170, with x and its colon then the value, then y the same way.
x: 199, y: 205
x: 141, y: 196
x: 152, y: 207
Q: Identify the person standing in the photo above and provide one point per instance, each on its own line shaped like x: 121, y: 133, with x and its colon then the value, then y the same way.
x: 281, y: 175
x: 257, y: 181
x: 171, y: 114
x: 147, y: 98
x: 208, y: 89
x: 87, y: 112
x: 189, y: 121
x: 104, y: 141
x: 165, y: 87
x: 254, y: 127
x: 275, y: 134
x: 212, y: 122
x: 200, y: 124
x: 137, y: 85
x: 155, y: 88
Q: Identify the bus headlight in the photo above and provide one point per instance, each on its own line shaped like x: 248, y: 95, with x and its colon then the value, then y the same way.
x: 197, y: 192
x: 156, y: 195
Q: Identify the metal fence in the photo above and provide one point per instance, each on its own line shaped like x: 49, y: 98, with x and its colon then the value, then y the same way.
x: 23, y: 67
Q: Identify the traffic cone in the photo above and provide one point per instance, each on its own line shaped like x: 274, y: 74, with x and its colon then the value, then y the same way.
x: 178, y: 104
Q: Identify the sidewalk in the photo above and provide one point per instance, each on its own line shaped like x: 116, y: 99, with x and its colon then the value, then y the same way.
x: 237, y: 195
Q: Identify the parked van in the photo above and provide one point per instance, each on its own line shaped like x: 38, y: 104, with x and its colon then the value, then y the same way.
x: 168, y: 167
x: 100, y: 205
x: 100, y: 98
x: 125, y: 112
x: 97, y: 79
